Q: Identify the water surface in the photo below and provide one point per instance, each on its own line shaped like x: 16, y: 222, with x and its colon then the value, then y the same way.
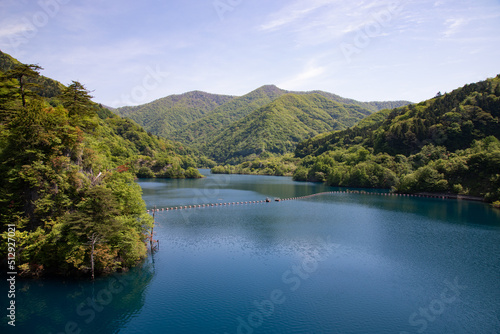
x: 337, y: 263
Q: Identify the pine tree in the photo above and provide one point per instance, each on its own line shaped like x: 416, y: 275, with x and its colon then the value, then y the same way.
x: 77, y: 100
x: 22, y: 73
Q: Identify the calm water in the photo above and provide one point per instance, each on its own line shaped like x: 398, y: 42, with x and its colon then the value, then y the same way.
x: 339, y: 263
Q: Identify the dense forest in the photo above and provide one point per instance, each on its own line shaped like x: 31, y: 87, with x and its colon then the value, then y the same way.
x: 197, y: 118
x: 164, y: 116
x: 280, y: 125
x: 448, y: 144
x: 67, y: 169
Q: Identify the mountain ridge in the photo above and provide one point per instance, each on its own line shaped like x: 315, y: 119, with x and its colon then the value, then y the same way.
x: 280, y: 125
x: 197, y: 133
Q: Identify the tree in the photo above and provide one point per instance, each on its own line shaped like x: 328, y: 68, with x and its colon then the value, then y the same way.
x: 22, y: 73
x: 95, y: 220
x: 8, y: 97
x: 76, y: 99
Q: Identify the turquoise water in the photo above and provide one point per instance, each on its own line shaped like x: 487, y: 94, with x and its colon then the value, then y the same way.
x: 337, y: 263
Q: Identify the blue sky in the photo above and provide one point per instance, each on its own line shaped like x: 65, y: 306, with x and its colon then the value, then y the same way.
x: 132, y: 52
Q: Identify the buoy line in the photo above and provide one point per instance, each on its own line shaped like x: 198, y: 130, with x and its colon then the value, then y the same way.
x: 197, y: 206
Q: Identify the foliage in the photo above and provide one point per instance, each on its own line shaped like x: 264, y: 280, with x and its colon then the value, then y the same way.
x: 449, y: 144
x: 280, y: 125
x: 164, y: 116
x: 266, y: 164
x: 474, y: 171
x: 67, y: 169
x: 197, y: 118
x: 453, y: 120
x: 203, y: 130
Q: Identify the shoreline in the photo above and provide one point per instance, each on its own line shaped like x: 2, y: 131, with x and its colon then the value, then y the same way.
x: 421, y: 194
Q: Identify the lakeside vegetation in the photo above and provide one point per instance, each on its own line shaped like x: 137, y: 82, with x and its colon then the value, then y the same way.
x: 68, y: 169
x: 449, y: 144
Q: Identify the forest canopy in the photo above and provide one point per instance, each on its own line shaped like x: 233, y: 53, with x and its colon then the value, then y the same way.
x: 68, y: 169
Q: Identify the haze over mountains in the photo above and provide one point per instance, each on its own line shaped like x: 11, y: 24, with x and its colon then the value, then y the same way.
x: 266, y: 119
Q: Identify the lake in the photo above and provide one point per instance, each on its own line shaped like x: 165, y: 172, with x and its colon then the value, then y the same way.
x: 335, y: 263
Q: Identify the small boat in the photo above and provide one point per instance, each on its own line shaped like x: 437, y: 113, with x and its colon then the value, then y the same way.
x: 268, y: 200
x: 277, y: 199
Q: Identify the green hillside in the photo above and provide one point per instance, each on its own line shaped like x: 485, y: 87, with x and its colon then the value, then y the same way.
x: 67, y: 170
x: 45, y: 87
x: 373, y: 106
x: 278, y: 127
x: 164, y: 116
x: 447, y: 144
x: 204, y: 130
x: 195, y: 118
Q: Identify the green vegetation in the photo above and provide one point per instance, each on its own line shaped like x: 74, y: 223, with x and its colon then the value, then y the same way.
x: 279, y: 126
x: 449, y: 144
x: 372, y: 106
x: 205, y: 129
x: 68, y: 165
x: 164, y: 116
x: 265, y: 164
x: 197, y: 118
x: 67, y: 169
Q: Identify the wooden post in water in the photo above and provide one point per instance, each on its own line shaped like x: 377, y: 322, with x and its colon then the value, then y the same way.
x: 152, y: 230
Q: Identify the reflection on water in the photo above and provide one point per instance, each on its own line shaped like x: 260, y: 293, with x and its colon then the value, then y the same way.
x: 338, y: 263
x: 73, y: 306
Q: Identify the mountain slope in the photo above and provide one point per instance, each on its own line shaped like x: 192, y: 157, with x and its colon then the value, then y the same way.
x: 165, y: 115
x: 453, y: 120
x: 48, y: 87
x: 280, y: 125
x: 203, y: 130
x: 449, y: 144
x: 374, y: 106
x: 195, y: 123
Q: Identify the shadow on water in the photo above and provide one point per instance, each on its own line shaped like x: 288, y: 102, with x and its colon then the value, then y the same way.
x: 78, y: 306
x: 445, y: 210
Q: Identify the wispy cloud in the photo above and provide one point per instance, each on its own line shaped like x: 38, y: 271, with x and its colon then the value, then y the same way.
x: 310, y: 71
x: 453, y: 26
x: 13, y: 28
x: 294, y: 12
x: 327, y: 21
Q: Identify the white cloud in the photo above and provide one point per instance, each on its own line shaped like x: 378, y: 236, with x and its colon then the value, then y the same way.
x: 311, y: 71
x: 324, y: 22
x: 294, y: 12
x: 14, y: 29
x: 453, y: 26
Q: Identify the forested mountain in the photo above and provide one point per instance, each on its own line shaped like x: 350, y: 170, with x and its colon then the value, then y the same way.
x: 67, y: 169
x: 280, y: 125
x: 446, y: 144
x: 194, y: 118
x: 163, y: 116
x: 204, y: 130
x: 374, y: 106
x: 453, y: 120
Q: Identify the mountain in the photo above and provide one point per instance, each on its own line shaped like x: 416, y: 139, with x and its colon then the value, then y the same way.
x: 278, y: 126
x: 448, y: 144
x: 453, y: 120
x: 374, y: 106
x: 203, y: 130
x: 195, y: 122
x: 165, y: 115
